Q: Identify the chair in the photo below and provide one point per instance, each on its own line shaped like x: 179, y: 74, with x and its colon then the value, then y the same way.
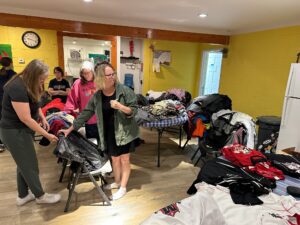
x: 85, y: 161
x: 77, y: 173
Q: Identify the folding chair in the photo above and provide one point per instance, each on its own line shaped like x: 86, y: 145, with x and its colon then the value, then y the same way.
x: 78, y: 174
x: 81, y: 153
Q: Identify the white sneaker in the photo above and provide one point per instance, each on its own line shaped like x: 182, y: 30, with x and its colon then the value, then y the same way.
x: 119, y: 194
x: 48, y: 199
x: 111, y: 186
x: 23, y: 201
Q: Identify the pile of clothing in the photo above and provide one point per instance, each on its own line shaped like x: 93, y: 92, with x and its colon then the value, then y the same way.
x: 161, y: 110
x: 172, y: 94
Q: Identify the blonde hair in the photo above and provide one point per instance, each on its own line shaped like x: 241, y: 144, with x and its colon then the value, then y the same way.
x: 100, y: 75
x: 31, y: 78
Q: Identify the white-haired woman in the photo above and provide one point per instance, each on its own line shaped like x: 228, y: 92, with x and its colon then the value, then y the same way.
x: 115, y: 106
x: 81, y: 92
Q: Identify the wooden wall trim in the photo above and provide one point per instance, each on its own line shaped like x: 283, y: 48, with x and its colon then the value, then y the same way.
x: 60, y: 50
x: 105, y: 29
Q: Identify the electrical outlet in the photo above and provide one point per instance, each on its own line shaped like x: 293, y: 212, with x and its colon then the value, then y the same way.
x: 21, y: 61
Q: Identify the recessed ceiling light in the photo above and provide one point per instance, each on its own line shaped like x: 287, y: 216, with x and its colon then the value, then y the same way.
x: 87, y: 0
x: 202, y: 15
x: 73, y: 42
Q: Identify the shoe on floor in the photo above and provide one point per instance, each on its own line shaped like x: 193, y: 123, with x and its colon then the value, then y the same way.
x: 48, y: 198
x: 119, y: 194
x: 2, y: 147
x: 23, y: 201
x: 111, y: 186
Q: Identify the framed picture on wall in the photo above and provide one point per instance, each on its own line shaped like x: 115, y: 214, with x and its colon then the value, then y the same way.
x: 5, y: 51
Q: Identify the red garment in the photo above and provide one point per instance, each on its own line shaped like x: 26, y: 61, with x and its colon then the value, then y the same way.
x: 56, y: 103
x: 241, y: 155
x: 245, y: 157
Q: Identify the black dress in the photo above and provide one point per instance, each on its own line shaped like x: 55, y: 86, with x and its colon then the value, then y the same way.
x: 109, y: 128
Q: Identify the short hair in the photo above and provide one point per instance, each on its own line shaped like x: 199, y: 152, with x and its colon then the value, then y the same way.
x: 89, y: 66
x: 100, y: 75
x: 6, y: 61
x: 59, y: 69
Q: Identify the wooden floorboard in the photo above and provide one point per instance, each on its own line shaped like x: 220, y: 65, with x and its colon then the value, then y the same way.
x: 149, y: 189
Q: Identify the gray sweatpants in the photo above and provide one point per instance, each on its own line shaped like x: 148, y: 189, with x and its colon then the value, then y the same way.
x: 20, y: 144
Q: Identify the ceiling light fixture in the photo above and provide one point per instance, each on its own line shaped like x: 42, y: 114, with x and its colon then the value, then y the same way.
x: 87, y: 0
x: 74, y: 42
x: 202, y: 15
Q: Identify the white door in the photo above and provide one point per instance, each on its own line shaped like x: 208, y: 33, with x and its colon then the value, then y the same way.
x: 293, y: 85
x: 210, y: 72
x: 289, y: 134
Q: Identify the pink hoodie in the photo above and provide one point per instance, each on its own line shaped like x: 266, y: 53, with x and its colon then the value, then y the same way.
x: 79, y: 96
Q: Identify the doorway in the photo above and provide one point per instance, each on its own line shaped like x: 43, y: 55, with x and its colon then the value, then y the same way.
x: 210, y: 72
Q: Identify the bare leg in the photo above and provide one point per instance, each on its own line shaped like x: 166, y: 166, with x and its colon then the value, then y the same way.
x: 125, y: 171
x: 116, y: 163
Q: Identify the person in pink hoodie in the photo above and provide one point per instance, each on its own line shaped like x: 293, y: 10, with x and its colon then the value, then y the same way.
x: 81, y: 92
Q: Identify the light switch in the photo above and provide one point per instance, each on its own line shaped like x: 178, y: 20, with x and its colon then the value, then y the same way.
x: 21, y: 61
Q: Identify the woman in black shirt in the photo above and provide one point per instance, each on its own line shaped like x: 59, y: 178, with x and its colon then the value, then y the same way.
x: 59, y: 87
x: 20, y: 113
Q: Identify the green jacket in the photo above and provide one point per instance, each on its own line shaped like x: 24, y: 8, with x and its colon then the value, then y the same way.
x: 126, y: 128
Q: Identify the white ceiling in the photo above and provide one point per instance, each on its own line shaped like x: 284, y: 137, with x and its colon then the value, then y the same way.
x: 224, y: 16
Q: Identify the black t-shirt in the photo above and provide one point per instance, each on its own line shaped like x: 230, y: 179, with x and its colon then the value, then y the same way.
x: 59, y: 86
x: 16, y: 91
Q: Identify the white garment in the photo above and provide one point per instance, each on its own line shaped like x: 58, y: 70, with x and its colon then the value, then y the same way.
x: 199, y: 209
x: 268, y: 213
x: 239, y: 117
x: 155, y: 94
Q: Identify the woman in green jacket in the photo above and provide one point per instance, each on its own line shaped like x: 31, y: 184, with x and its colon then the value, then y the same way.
x: 115, y: 106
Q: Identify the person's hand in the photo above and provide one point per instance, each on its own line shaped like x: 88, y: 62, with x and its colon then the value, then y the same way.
x: 115, y: 104
x: 66, y: 132
x: 45, y: 124
x: 51, y: 137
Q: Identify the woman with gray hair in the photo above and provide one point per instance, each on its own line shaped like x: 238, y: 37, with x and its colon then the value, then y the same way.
x: 81, y: 92
x: 115, y: 106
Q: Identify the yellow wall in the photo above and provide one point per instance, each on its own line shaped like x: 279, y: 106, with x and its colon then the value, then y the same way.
x: 182, y: 71
x: 47, y: 51
x: 255, y: 73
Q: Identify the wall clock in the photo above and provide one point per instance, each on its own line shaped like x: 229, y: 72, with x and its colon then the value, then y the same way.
x: 31, y: 39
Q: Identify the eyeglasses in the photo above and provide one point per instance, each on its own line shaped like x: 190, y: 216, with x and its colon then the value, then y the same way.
x: 110, y: 75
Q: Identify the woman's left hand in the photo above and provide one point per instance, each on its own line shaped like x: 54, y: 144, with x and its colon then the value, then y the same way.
x: 45, y: 124
x: 115, y: 104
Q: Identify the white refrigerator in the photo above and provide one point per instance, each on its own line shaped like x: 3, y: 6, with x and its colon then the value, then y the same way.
x: 289, y: 134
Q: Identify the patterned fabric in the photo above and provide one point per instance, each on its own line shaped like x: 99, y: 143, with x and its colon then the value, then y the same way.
x: 174, y: 121
x: 281, y: 185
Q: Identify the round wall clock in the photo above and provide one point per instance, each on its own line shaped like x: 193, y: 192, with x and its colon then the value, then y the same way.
x: 31, y: 39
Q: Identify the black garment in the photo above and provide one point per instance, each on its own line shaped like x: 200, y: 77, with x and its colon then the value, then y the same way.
x: 5, y: 76
x: 59, y: 86
x: 77, y: 148
x: 288, y: 164
x: 109, y: 129
x: 16, y: 91
x: 91, y: 131
x: 244, y: 186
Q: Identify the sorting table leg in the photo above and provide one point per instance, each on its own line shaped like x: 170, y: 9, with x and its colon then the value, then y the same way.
x: 160, y: 131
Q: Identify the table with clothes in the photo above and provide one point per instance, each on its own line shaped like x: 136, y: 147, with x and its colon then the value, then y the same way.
x: 162, y: 115
x: 231, y: 190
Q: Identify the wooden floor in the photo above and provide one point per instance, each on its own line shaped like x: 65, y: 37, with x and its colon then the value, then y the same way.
x: 149, y: 188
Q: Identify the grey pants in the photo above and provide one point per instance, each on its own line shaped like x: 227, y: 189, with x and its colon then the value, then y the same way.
x: 20, y: 144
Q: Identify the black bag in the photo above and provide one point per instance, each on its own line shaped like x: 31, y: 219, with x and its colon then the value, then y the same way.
x: 77, y: 148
